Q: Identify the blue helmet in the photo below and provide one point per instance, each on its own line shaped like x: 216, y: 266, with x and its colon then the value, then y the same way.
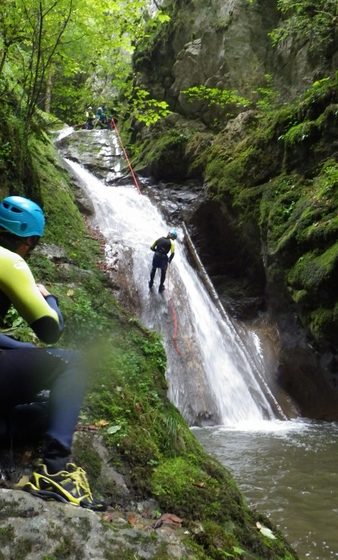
x: 21, y: 216
x: 172, y: 234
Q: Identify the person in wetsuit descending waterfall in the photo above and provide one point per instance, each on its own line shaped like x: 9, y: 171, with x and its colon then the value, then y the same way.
x: 162, y: 247
x: 26, y: 370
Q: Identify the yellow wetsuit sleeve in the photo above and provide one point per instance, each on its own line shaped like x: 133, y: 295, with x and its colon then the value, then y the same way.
x: 172, y: 248
x: 18, y: 284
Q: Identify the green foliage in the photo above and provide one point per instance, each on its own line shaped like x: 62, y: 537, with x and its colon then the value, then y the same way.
x: 267, y: 95
x: 283, y: 177
x: 318, y: 87
x: 312, y: 20
x: 147, y: 110
x: 153, y: 27
x: 31, y: 35
x: 5, y: 151
x: 67, y: 55
x: 14, y: 325
x: 226, y: 99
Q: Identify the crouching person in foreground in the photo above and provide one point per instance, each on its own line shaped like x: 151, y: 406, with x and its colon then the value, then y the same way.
x: 27, y: 370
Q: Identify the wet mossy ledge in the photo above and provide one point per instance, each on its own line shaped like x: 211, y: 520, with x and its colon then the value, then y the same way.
x: 127, y: 413
x: 274, y: 178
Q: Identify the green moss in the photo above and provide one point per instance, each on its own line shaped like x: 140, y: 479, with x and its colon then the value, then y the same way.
x: 321, y: 323
x: 313, y: 269
x: 299, y: 296
x: 166, y: 156
x: 217, y: 541
x: 204, y: 491
x: 183, y: 484
x: 9, y: 510
x: 229, y: 174
x: 17, y: 171
x: 319, y: 219
x: 21, y: 548
x: 298, y: 133
x: 197, y: 152
x: 58, y: 200
x: 67, y: 548
x: 86, y: 456
x: 141, y: 541
x: 7, y: 535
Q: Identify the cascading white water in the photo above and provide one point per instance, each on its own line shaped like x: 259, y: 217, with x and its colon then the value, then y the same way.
x: 210, y: 373
x: 64, y: 132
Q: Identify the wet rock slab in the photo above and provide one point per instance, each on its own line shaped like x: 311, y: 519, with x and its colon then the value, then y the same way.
x: 98, y: 151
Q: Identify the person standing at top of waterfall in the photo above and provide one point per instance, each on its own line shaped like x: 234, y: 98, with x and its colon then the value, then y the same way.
x: 162, y: 247
x: 100, y: 118
x: 28, y: 371
x: 90, y: 118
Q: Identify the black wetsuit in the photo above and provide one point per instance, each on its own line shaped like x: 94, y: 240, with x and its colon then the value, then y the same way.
x: 27, y: 370
x: 162, y: 247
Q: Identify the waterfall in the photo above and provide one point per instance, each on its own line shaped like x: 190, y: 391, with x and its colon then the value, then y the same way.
x: 212, y: 376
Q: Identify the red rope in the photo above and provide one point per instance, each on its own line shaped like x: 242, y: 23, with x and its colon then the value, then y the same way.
x: 175, y: 323
x: 136, y: 183
x: 172, y: 310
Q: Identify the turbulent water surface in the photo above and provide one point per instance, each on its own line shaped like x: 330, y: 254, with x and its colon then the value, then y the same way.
x: 288, y: 471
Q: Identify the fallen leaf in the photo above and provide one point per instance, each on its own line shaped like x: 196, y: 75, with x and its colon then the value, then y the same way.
x: 168, y: 519
x: 132, y: 519
x: 199, y: 484
x: 113, y: 429
x: 265, y: 531
x: 101, y: 423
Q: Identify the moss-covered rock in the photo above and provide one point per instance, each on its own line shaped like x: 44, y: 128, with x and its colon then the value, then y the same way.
x: 283, y: 179
x: 172, y: 149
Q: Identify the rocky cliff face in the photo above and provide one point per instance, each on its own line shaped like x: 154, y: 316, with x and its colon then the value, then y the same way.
x: 225, y: 44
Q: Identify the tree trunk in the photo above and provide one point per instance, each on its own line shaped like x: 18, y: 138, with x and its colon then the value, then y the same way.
x: 49, y: 88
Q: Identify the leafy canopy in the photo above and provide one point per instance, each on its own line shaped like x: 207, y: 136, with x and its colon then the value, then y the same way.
x: 62, y: 55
